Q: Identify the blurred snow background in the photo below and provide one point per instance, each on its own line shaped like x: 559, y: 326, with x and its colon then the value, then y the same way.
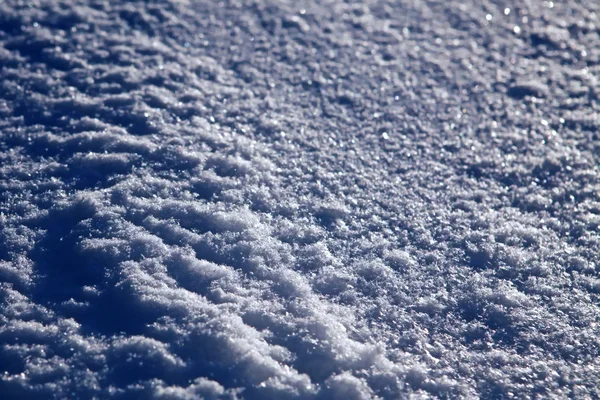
x: 299, y: 199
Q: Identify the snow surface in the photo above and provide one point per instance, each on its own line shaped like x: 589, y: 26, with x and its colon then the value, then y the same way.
x: 299, y: 199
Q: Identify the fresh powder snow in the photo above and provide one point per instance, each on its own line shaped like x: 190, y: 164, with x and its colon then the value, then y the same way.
x: 337, y: 199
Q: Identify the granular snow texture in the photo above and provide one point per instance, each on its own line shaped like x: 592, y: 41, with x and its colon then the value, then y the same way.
x: 263, y: 199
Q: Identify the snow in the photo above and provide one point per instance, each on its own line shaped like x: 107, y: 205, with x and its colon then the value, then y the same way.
x: 314, y: 200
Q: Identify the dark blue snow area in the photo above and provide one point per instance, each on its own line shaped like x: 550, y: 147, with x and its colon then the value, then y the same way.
x: 299, y: 200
